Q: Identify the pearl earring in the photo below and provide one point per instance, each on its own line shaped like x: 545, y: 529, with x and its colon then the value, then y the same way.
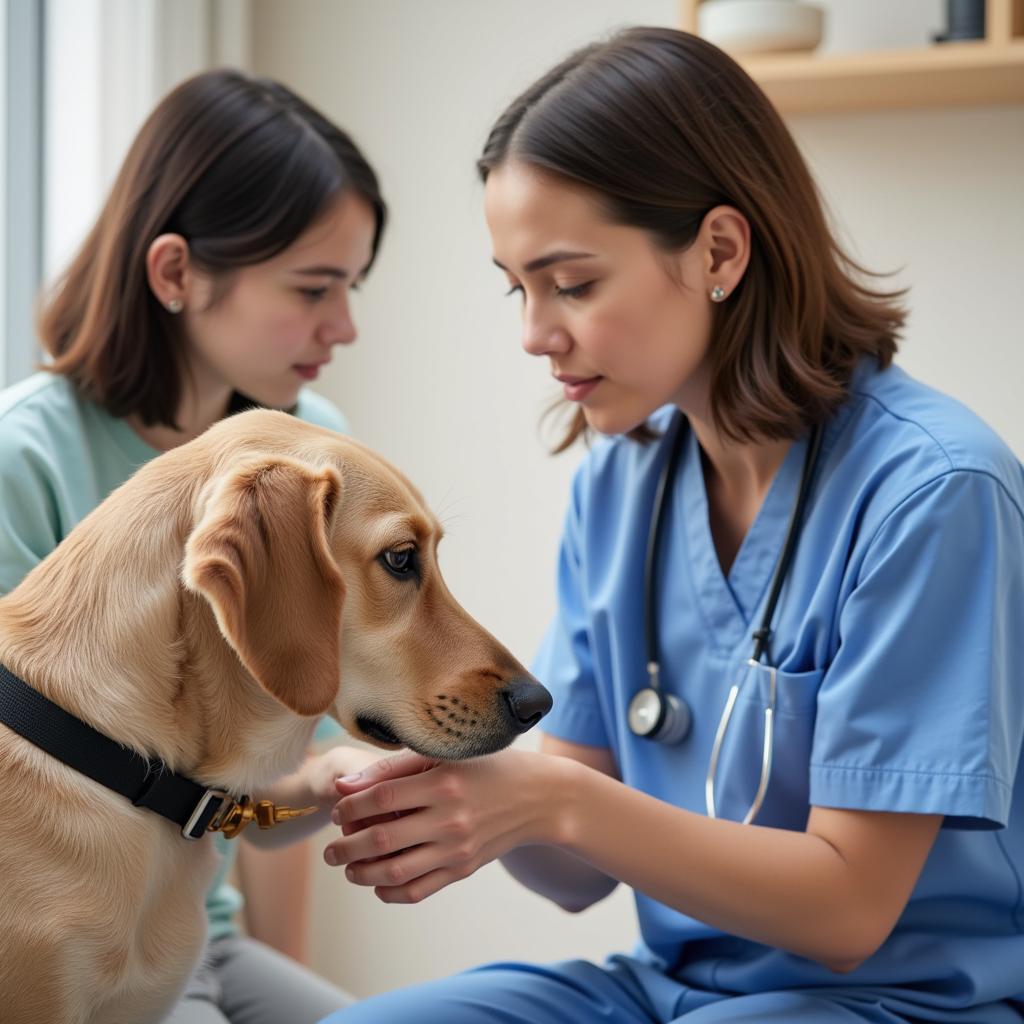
x: 717, y: 293
x: 175, y: 306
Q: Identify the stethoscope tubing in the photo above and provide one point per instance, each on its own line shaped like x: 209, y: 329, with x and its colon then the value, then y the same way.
x: 766, y: 750
x: 761, y: 636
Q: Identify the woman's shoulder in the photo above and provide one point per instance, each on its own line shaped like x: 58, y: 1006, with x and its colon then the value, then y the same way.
x: 899, y: 440
x: 38, y: 413
x: 321, y: 412
x: 41, y: 395
x: 48, y: 427
x: 932, y: 433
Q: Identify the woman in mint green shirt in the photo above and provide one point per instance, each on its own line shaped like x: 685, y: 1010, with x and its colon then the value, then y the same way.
x: 217, y: 276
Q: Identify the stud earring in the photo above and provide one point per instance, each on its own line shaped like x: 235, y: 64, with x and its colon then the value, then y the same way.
x: 717, y: 293
x: 175, y: 305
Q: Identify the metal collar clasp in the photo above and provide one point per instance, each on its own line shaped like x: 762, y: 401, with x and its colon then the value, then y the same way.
x: 234, y: 815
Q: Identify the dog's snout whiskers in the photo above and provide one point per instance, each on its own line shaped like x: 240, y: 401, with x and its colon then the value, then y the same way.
x: 452, y: 715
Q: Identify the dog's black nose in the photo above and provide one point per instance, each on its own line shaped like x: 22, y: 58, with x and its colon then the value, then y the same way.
x: 527, y: 701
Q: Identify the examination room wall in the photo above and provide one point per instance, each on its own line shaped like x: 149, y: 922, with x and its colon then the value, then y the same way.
x: 438, y: 383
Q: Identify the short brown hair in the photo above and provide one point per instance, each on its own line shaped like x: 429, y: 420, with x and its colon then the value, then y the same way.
x: 662, y: 127
x: 238, y: 166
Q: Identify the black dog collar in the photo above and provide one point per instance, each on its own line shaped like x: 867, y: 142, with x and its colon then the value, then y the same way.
x: 146, y: 783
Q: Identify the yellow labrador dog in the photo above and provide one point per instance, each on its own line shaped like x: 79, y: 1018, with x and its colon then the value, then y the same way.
x: 204, y: 616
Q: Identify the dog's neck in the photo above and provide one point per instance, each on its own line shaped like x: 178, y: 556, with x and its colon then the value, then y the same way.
x: 137, y: 657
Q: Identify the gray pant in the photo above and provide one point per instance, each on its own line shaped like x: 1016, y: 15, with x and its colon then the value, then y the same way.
x: 242, y: 981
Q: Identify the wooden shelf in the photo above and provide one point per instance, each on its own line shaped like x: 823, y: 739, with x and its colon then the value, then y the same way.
x: 946, y: 74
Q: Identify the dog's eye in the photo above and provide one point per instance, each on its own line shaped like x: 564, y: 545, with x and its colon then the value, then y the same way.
x: 400, y: 562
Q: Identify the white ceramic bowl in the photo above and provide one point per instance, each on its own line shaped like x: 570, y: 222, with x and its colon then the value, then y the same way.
x: 760, y: 26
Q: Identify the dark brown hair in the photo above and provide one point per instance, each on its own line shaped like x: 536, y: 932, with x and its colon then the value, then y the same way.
x: 240, y: 167
x: 662, y: 127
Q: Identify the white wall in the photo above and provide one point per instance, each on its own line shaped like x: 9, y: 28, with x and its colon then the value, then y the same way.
x: 439, y: 385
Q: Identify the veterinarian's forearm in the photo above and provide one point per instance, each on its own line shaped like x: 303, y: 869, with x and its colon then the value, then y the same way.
x: 806, y: 893
x: 558, y: 876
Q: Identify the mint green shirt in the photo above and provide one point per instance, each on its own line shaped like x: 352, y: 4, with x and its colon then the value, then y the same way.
x: 60, y: 456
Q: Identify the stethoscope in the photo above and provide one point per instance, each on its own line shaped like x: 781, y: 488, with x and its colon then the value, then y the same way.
x: 664, y: 717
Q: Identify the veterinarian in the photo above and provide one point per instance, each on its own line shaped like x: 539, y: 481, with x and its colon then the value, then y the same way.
x: 218, y: 276
x: 788, y: 657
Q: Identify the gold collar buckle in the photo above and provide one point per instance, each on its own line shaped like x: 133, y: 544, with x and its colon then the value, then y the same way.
x: 234, y: 815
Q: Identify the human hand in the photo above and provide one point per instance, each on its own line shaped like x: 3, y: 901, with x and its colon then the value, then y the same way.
x: 411, y: 825
x: 312, y: 784
x: 321, y: 771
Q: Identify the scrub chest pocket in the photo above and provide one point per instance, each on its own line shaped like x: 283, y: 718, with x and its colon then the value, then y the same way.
x: 740, y: 757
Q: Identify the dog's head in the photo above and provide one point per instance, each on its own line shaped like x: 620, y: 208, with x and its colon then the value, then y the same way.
x: 319, y: 561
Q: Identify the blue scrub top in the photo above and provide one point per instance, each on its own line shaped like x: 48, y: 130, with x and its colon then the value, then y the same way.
x: 899, y: 639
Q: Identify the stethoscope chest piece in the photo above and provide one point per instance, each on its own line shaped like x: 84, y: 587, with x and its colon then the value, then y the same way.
x: 658, y: 716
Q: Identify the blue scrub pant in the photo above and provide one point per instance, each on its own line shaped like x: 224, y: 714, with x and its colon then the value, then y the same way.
x: 622, y: 991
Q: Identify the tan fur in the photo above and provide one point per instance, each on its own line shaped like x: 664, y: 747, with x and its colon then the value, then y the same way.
x: 207, y: 613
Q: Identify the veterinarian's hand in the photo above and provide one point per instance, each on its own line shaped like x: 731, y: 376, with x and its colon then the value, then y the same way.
x: 411, y: 826
x: 312, y: 783
x: 320, y: 772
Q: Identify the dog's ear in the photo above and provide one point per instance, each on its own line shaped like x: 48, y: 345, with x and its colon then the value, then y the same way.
x: 261, y: 558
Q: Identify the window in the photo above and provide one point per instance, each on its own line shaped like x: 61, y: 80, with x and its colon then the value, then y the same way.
x: 21, y: 42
